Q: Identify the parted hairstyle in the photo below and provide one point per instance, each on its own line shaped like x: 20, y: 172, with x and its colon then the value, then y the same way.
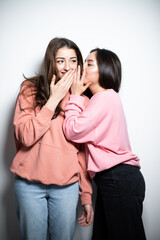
x: 40, y: 84
x: 109, y: 67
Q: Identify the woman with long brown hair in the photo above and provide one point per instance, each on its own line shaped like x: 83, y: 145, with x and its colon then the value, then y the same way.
x: 49, y: 169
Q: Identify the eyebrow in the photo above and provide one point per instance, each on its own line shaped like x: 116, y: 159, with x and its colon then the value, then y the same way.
x: 89, y: 60
x: 64, y: 58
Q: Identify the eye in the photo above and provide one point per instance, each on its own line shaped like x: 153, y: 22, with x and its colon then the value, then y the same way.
x: 89, y: 65
x: 74, y: 61
x: 60, y: 61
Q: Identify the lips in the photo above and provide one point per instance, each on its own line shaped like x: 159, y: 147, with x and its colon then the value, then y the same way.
x: 63, y: 73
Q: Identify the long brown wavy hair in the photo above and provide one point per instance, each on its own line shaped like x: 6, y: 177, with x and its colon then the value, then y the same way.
x: 40, y: 84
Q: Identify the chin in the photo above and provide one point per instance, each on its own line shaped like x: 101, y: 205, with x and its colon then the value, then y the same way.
x: 60, y: 75
x: 85, y: 81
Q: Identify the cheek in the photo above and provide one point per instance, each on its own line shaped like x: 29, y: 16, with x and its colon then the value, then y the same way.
x: 86, y: 80
x: 90, y: 73
x: 58, y: 71
x: 92, y: 76
x: 88, y: 77
x: 74, y: 66
x: 59, y: 67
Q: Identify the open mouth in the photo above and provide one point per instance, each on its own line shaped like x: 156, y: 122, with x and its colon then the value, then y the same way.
x: 63, y: 73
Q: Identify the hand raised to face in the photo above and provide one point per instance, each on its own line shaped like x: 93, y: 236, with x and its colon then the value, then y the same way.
x: 78, y: 86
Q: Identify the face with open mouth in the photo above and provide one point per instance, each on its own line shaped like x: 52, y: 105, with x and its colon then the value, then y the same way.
x: 66, y: 59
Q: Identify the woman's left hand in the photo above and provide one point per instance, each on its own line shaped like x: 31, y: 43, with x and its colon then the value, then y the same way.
x: 78, y: 86
x: 87, y: 215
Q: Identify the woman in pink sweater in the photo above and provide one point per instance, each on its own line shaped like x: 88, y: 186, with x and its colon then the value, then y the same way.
x: 101, y: 125
x: 49, y: 169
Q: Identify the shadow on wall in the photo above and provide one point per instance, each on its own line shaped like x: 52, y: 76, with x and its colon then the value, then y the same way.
x: 11, y: 222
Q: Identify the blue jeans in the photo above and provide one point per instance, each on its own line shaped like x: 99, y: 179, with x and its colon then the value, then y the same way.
x: 42, y: 206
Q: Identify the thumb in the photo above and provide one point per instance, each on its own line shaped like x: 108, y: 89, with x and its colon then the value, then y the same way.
x: 87, y: 85
x: 53, y: 79
x: 88, y: 216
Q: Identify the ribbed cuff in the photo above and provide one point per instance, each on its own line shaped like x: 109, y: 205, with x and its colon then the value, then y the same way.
x: 86, y: 199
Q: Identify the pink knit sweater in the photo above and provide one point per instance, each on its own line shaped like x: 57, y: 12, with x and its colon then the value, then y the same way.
x: 102, y: 126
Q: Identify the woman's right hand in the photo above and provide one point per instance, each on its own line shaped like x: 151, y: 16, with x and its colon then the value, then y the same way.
x: 78, y: 87
x: 60, y: 89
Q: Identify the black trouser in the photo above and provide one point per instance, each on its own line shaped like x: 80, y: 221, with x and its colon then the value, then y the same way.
x: 118, y: 210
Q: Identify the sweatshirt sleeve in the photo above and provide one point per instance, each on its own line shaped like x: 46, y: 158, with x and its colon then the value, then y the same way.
x: 78, y: 126
x: 30, y: 126
x: 84, y: 181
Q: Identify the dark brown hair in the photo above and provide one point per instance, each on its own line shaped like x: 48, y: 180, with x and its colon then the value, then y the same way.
x: 40, y: 84
x: 109, y: 67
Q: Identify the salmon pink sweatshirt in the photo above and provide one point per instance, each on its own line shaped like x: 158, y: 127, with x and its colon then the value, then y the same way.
x: 102, y: 126
x: 43, y: 153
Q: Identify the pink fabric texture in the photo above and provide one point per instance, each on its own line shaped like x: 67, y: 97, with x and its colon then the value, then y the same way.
x: 101, y: 125
x: 43, y: 153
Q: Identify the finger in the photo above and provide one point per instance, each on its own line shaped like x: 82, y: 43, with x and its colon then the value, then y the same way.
x: 87, y: 224
x: 87, y: 85
x: 68, y: 75
x: 81, y: 218
x: 75, y: 78
x: 83, y: 74
x: 75, y: 75
x: 68, y: 82
x: 84, y: 224
x: 65, y: 76
x: 53, y: 79
x: 88, y: 216
x: 78, y: 73
x: 82, y: 221
x: 91, y: 217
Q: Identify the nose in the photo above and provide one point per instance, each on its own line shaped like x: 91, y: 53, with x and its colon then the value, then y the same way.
x: 67, y: 66
x: 84, y: 65
x: 84, y: 71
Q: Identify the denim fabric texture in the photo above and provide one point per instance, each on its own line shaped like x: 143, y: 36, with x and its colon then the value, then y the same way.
x: 42, y: 206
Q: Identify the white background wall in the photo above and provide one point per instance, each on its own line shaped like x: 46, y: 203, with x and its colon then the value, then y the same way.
x: 132, y: 30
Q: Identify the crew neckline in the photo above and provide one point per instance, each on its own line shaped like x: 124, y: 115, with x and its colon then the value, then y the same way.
x: 105, y: 91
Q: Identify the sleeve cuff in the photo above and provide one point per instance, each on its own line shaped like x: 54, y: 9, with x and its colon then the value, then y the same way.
x: 86, y: 199
x: 75, y: 101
